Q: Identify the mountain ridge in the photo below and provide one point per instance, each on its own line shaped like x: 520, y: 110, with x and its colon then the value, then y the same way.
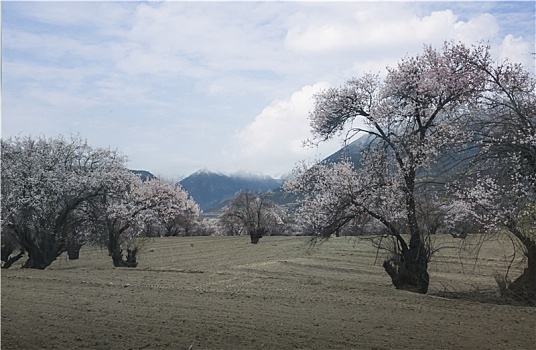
x: 211, y: 189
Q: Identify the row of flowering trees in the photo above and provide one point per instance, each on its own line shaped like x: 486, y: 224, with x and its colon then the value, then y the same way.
x: 450, y: 141
x: 58, y: 194
x: 451, y: 138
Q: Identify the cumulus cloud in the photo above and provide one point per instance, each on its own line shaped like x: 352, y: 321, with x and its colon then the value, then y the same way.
x: 275, y: 138
x: 381, y: 27
x: 518, y: 50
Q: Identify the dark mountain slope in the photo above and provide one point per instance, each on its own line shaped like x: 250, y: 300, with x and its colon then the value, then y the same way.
x: 210, y: 189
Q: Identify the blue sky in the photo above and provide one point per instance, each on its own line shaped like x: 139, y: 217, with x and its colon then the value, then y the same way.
x: 227, y: 86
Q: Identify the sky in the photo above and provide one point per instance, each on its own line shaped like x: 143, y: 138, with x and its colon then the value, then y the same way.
x: 224, y: 86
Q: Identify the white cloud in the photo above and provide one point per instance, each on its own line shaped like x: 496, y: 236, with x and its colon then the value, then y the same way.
x: 275, y: 138
x: 480, y: 28
x: 517, y: 50
x: 382, y: 27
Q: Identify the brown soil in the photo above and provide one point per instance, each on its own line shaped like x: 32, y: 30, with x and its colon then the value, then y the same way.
x: 225, y: 293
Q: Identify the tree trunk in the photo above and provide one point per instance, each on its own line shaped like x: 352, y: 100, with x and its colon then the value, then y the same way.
x: 7, y: 249
x: 524, y: 287
x: 38, y: 259
x: 131, y: 261
x: 409, y: 269
x: 9, y: 261
x: 256, y: 235
x: 115, y: 251
x: 73, y: 250
x: 43, y: 253
x: 131, y: 258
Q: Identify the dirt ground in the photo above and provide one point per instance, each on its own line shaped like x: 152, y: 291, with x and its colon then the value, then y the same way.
x: 225, y: 293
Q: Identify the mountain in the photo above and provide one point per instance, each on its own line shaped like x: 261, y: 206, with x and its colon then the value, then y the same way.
x: 444, y: 167
x: 351, y: 151
x: 211, y: 189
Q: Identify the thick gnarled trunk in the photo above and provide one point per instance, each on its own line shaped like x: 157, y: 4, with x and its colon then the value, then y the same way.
x: 115, y: 251
x: 7, y: 250
x: 40, y: 259
x: 73, y: 249
x: 120, y: 261
x: 409, y: 269
x: 523, y: 288
x: 256, y: 234
x: 42, y: 252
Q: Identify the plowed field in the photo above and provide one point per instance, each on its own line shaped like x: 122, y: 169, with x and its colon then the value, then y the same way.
x: 225, y: 293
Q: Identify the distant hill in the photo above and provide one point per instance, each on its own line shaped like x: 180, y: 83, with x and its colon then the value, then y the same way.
x: 211, y: 189
x: 351, y: 151
x: 443, y: 168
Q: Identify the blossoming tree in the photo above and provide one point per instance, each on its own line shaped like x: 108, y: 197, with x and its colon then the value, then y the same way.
x: 255, y: 214
x: 181, y: 215
x: 58, y: 193
x: 499, y: 190
x: 122, y: 219
x: 413, y: 116
x: 47, y: 187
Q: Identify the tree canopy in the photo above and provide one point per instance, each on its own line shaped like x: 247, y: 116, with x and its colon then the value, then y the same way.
x: 436, y: 104
x: 58, y: 193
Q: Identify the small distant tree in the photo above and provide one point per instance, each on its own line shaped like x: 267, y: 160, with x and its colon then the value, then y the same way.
x: 412, y: 117
x: 253, y: 214
x: 182, y: 217
x: 229, y: 225
x: 205, y: 227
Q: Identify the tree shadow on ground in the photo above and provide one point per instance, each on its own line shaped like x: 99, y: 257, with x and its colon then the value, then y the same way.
x: 486, y: 296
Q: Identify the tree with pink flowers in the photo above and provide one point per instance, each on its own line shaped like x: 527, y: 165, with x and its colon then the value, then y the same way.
x: 413, y: 116
x: 61, y: 193
x: 123, y: 218
x: 48, y: 187
x: 499, y: 188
